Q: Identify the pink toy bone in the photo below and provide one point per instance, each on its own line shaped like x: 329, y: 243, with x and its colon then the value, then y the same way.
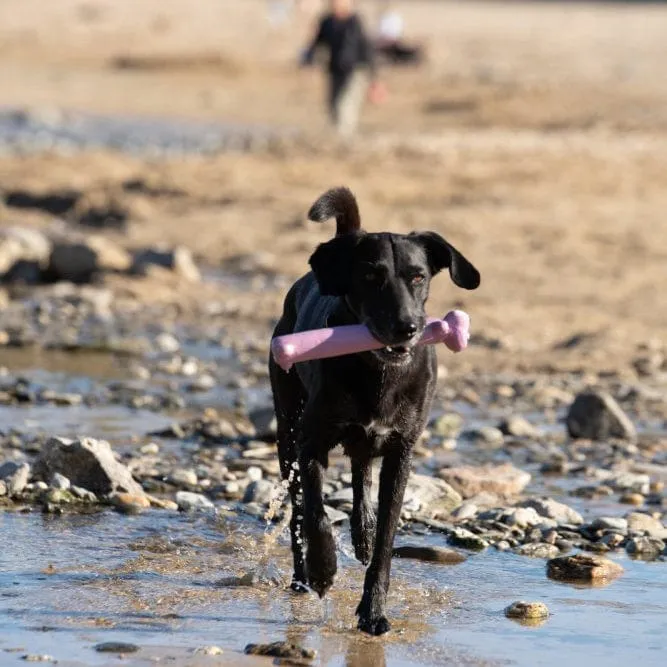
x: 287, y: 350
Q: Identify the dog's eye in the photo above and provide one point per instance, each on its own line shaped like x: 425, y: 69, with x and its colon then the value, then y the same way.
x: 417, y: 279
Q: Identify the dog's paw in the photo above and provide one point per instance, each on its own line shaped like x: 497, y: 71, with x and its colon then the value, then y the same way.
x: 364, y: 544
x: 374, y: 626
x: 298, y: 586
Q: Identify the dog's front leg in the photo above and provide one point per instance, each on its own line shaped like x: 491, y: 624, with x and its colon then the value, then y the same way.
x: 320, y: 545
x: 393, y: 480
x: 362, y: 521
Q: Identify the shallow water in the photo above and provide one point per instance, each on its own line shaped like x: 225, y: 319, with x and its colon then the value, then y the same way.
x: 67, y: 583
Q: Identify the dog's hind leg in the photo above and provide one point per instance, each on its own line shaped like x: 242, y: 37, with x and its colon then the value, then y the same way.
x: 289, y: 398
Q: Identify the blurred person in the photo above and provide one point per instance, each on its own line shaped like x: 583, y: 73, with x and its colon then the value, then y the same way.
x: 351, y: 70
x: 389, y: 42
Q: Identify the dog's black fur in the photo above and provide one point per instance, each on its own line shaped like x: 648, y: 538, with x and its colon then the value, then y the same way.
x: 375, y: 404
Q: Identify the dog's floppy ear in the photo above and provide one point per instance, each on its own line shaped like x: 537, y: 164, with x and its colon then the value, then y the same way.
x: 441, y: 254
x: 332, y: 264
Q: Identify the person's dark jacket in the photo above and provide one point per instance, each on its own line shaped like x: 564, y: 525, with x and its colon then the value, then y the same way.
x: 348, y: 45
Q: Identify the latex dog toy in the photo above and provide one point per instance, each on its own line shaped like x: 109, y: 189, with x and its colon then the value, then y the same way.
x: 288, y: 350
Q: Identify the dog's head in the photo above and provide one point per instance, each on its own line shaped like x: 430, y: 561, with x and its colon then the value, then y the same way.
x: 384, y: 278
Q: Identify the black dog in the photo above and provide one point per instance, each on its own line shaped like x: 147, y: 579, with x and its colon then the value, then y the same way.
x: 373, y: 403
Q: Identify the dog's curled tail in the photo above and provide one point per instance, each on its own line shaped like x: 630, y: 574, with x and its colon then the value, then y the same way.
x: 337, y: 203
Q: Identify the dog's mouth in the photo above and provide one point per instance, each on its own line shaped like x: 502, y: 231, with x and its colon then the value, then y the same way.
x: 394, y: 353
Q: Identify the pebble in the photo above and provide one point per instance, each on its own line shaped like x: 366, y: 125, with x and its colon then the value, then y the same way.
x: 518, y: 427
x: 552, y: 509
x: 335, y: 515
x: 247, y: 579
x: 636, y: 499
x: 130, y: 503
x: 522, y: 517
x: 188, y: 501
x: 538, y: 550
x: 260, y: 491
x: 162, y: 503
x: 467, y: 510
x: 587, y: 568
x: 643, y: 523
x: 183, y: 477
x: 150, y: 449
x: 208, y: 650
x: 485, y: 435
x: 429, y: 554
x: 15, y: 476
x: 610, y: 523
x: 35, y: 657
x: 595, y: 415
x: 281, y: 650
x: 647, y: 547
x: 447, y: 426
x: 166, y: 342
x: 460, y: 537
x: 503, y: 480
x: 527, y: 610
x: 116, y: 647
x: 59, y: 481
x: 254, y: 473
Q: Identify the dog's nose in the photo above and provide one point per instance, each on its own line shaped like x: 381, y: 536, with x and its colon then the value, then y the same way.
x: 407, y: 329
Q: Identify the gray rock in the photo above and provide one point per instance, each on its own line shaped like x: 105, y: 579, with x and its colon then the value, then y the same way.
x: 595, y: 415
x: 486, y: 435
x: 538, y: 550
x: 518, y: 427
x: 428, y: 495
x: 254, y: 473
x: 88, y: 463
x: 467, y: 510
x: 429, y: 554
x: 179, y: 260
x: 208, y: 650
x: 645, y: 547
x: 116, y: 647
x: 264, y: 421
x: 59, y: 481
x: 15, y: 476
x: 183, y: 477
x: 3, y: 488
x: 447, y: 426
x: 342, y: 496
x: 629, y: 482
x: 610, y: 523
x: 167, y: 342
x: 38, y: 657
x: 552, y: 509
x: 583, y: 568
x: 188, y: 501
x: 74, y: 262
x: 643, y: 523
x: 261, y: 491
x: 83, y: 494
x: 522, y: 517
x: 22, y: 244
x: 335, y: 516
x: 460, y: 537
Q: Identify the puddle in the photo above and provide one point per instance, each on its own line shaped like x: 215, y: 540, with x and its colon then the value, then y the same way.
x: 67, y: 583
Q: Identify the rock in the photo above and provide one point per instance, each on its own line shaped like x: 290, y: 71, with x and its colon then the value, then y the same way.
x: 3, y: 488
x: 183, y: 477
x: 129, y: 503
x: 527, y: 610
x: 429, y: 554
x: 486, y: 435
x: 264, y: 422
x: 428, y: 495
x: 15, y: 476
x: 74, y: 262
x: 504, y: 480
x: 88, y: 463
x: 261, y: 491
x: 610, y: 523
x: 179, y: 260
x: 188, y: 501
x: 281, y: 650
x: 467, y: 510
x: 629, y: 481
x: 167, y: 342
x: 518, y: 427
x: 247, y: 579
x: 208, y: 650
x: 162, y: 503
x: 585, y: 568
x: 83, y: 494
x: 636, y: 499
x: 552, y: 509
x: 643, y: 523
x: 460, y: 537
x: 595, y: 415
x: 335, y: 516
x: 645, y: 547
x: 59, y: 481
x: 538, y: 550
x: 22, y: 245
x: 36, y: 657
x: 447, y: 426
x: 254, y: 473
x: 523, y: 517
x: 116, y: 647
